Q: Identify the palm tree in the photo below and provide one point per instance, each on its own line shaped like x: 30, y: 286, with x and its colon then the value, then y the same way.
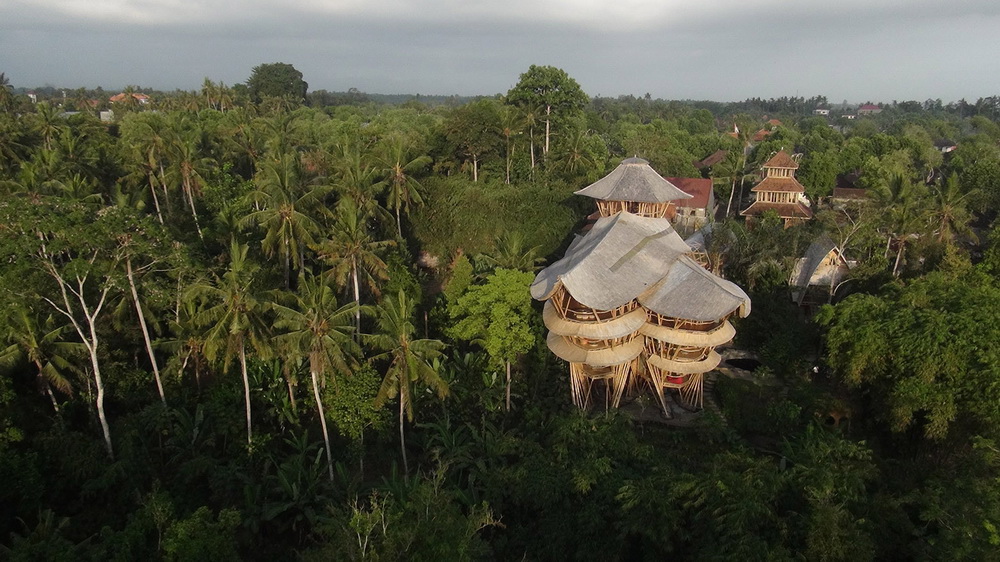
x: 188, y: 166
x: 409, y: 359
x: 319, y: 329
x: 48, y: 123
x: 511, y: 120
x: 398, y: 169
x: 900, y: 197
x: 41, y: 343
x: 949, y: 210
x: 233, y: 314
x: 511, y: 253
x: 352, y: 254
x: 283, y: 205
x: 6, y: 94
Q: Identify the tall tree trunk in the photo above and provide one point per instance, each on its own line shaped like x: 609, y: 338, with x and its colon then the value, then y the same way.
x: 899, y: 256
x: 732, y: 191
x: 402, y: 437
x: 322, y: 423
x: 399, y: 223
x: 507, y: 175
x: 246, y: 389
x: 47, y: 386
x: 288, y: 265
x: 194, y: 212
x: 100, y: 395
x: 156, y: 200
x: 531, y: 148
x: 548, y: 112
x: 508, y: 386
x: 145, y: 330
x: 357, y: 299
x: 475, y: 168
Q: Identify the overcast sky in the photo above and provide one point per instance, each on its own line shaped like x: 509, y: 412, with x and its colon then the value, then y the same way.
x: 725, y: 50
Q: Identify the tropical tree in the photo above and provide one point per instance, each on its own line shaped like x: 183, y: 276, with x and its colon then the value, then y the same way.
x: 319, y: 329
x: 409, y: 359
x: 551, y: 88
x: 233, y: 314
x: 353, y: 254
x: 277, y: 80
x: 72, y: 246
x: 497, y: 315
x: 42, y: 343
x: 398, y: 170
x: 900, y: 197
x: 949, y: 210
x: 6, y: 94
x: 284, y: 208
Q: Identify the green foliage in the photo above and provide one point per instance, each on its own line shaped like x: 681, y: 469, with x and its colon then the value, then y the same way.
x: 277, y: 80
x: 203, y: 536
x: 496, y: 315
x: 922, y: 351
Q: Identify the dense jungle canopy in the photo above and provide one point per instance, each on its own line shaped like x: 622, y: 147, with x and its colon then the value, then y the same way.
x: 257, y: 322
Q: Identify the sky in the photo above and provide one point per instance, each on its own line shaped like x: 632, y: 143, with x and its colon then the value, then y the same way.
x: 722, y: 50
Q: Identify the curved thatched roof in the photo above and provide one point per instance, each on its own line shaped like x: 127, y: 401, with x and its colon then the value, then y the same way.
x: 596, y: 358
x: 690, y: 292
x: 685, y: 368
x: 634, y: 180
x: 723, y: 334
x: 621, y: 257
x: 606, y: 330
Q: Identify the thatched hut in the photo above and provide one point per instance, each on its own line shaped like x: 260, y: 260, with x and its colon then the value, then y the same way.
x: 628, y: 305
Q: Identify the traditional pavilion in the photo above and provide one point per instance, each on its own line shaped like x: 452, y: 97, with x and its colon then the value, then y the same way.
x: 780, y: 191
x: 628, y: 306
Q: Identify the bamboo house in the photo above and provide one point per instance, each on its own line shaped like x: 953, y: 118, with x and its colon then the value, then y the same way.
x: 628, y: 306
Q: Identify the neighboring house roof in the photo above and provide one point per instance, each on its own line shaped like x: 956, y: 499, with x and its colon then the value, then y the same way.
x: 761, y: 135
x: 700, y: 190
x: 711, y: 160
x: 121, y: 97
x: 869, y: 107
x: 633, y: 180
x: 784, y: 210
x: 774, y: 122
x: 772, y: 183
x: 781, y: 160
x: 850, y: 193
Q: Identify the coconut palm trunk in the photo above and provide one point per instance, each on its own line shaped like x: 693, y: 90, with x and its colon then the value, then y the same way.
x: 246, y: 388
x: 322, y: 422
x: 145, y: 330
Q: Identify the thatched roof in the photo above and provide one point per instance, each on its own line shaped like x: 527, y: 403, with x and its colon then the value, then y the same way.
x: 597, y: 357
x: 606, y: 330
x: 620, y: 258
x: 806, y: 267
x: 685, y: 367
x: 724, y: 334
x: 689, y: 291
x: 633, y: 180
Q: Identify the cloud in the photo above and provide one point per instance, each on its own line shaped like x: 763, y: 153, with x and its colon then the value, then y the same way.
x: 717, y: 49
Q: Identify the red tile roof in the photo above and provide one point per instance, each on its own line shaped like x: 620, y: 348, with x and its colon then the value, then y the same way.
x: 784, y: 210
x: 119, y: 97
x: 850, y: 193
x: 779, y: 184
x: 781, y: 160
x: 698, y: 188
x: 710, y: 160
